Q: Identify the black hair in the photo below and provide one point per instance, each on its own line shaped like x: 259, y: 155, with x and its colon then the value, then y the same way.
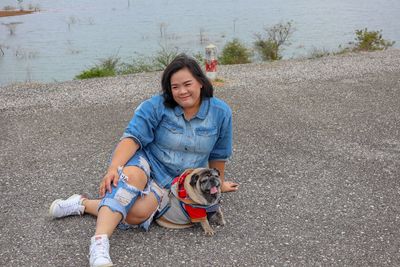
x: 182, y: 61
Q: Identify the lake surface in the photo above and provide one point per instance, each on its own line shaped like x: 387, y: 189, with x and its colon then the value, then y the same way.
x: 68, y: 36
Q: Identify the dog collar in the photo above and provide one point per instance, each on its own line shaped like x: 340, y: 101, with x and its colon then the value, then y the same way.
x: 181, y: 180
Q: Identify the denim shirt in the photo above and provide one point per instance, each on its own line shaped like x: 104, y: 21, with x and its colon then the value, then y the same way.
x: 173, y: 144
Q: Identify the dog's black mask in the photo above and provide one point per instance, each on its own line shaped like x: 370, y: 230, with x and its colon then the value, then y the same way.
x: 209, y: 184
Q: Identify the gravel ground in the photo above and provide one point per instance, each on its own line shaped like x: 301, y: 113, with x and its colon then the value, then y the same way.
x: 316, y: 151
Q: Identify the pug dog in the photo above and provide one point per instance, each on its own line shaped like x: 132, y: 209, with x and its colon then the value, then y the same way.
x: 193, y: 198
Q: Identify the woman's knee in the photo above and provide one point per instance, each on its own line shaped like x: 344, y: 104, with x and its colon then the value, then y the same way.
x: 134, y: 220
x: 136, y: 176
x: 142, y: 209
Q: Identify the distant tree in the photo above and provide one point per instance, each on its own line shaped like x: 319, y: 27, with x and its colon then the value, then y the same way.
x: 270, y: 46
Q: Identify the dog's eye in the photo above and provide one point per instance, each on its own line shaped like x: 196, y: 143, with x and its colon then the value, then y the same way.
x: 204, y: 181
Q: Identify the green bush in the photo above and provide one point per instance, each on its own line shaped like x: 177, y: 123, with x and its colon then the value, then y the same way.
x: 95, y: 72
x: 370, y: 41
x: 365, y: 41
x: 235, y: 52
x: 267, y: 49
x: 107, y: 67
x: 269, y: 46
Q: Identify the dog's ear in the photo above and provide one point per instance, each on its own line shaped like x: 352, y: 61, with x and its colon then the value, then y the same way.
x: 193, y: 179
x: 215, y: 169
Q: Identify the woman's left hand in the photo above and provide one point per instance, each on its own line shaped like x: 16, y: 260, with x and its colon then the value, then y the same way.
x: 228, y: 186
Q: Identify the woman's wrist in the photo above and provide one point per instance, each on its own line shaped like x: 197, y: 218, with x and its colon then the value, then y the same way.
x: 112, y: 168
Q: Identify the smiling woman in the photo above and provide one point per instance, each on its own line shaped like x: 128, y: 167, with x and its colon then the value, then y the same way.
x: 183, y: 128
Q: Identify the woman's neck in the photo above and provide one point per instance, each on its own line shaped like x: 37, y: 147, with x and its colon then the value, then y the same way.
x: 189, y: 113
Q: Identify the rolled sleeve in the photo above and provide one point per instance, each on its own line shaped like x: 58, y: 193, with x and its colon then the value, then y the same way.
x: 128, y: 135
x: 143, y: 123
x: 223, y: 147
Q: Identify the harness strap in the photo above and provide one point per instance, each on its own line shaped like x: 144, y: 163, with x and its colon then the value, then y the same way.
x: 180, y: 180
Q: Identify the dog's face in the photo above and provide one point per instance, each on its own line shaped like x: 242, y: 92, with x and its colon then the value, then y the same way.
x: 206, y: 183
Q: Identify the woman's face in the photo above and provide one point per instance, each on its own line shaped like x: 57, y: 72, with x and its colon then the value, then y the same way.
x: 186, y: 90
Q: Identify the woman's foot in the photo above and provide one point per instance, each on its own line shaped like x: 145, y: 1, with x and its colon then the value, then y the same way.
x: 99, y: 251
x: 70, y: 206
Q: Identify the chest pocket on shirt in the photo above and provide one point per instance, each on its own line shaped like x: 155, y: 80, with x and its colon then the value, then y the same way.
x: 169, y: 135
x: 206, y: 138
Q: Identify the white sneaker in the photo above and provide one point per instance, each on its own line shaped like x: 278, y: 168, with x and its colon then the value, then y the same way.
x: 70, y: 206
x: 99, y: 251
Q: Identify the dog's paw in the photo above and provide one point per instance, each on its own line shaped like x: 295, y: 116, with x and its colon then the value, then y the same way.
x: 209, y: 232
x: 220, y: 221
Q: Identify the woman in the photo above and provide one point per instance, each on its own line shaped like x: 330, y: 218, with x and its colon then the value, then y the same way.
x: 184, y: 127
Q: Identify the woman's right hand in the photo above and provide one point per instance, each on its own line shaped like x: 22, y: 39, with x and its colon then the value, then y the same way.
x: 111, y: 176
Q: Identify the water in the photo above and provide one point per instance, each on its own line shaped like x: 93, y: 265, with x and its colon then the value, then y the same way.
x: 66, y: 37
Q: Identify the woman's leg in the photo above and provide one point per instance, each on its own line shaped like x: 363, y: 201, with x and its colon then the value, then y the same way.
x: 113, y: 208
x: 107, y: 219
x: 91, y: 206
x: 139, y: 212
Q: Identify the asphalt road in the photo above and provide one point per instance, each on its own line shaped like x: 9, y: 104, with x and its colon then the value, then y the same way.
x: 316, y: 153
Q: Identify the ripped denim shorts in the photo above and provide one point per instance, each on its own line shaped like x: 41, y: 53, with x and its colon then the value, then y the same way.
x: 139, y: 160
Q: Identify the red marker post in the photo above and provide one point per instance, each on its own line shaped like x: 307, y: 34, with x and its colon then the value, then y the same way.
x: 211, y: 61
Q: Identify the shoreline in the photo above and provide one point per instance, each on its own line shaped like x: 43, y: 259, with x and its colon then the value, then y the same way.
x: 125, y: 88
x: 220, y: 82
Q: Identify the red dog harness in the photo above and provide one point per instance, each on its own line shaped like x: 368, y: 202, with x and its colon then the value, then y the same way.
x: 195, y: 213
